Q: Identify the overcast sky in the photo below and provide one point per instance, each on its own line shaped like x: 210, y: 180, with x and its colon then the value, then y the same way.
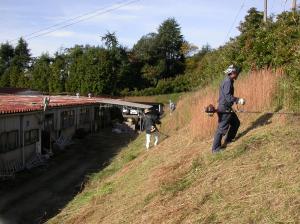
x: 201, y: 21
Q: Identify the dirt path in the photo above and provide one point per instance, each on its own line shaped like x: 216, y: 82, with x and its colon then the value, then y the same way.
x: 37, y: 195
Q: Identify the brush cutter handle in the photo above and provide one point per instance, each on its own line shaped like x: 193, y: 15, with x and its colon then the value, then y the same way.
x: 163, y: 134
x: 241, y: 101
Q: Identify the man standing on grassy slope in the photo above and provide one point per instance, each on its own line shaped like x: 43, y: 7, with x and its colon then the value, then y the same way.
x: 150, y: 121
x: 228, y: 122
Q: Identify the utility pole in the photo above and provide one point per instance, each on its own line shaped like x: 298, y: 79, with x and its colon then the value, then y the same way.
x: 294, y: 5
x: 266, y: 11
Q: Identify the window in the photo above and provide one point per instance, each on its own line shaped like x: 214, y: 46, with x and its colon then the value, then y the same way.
x: 84, y: 116
x: 3, y: 142
x: 27, y: 138
x: 49, y: 122
x: 9, y: 141
x: 31, y: 136
x: 67, y: 118
x: 34, y: 135
x: 12, y: 140
x: 97, y: 113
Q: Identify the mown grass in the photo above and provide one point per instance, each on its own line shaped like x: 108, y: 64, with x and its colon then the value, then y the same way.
x: 255, y: 176
x: 266, y: 149
x: 204, y: 162
x: 126, y: 155
x: 251, y: 143
x: 259, y: 178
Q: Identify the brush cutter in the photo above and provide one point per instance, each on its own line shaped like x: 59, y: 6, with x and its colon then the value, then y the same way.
x: 161, y: 133
x: 211, y: 110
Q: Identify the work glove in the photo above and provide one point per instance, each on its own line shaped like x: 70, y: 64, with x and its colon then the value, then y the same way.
x: 241, y: 101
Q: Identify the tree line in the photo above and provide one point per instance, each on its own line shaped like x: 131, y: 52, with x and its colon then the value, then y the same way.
x: 108, y: 68
x: 160, y: 62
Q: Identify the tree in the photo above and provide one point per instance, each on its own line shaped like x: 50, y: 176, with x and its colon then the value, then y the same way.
x: 146, y: 49
x: 41, y: 73
x: 58, y: 74
x: 20, y: 65
x: 162, y: 55
x: 120, y: 75
x: 170, y: 41
x: 6, y: 55
x: 145, y: 52
x: 110, y: 40
x: 73, y: 79
x: 22, y: 55
x: 253, y: 21
x: 250, y: 28
x: 188, y: 49
x: 92, y: 69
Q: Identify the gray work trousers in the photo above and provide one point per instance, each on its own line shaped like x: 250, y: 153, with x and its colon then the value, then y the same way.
x: 228, y: 123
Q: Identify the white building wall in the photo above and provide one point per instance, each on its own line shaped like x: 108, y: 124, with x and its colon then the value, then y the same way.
x: 7, y: 124
x: 34, y: 120
x: 21, y: 123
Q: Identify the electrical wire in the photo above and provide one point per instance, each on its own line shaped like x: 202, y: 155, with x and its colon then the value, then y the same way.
x: 81, y: 18
x: 284, y: 8
x: 63, y: 22
x: 86, y: 18
x: 234, y: 21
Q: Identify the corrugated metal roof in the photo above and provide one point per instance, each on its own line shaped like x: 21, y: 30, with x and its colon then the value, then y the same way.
x: 124, y: 103
x: 10, y: 104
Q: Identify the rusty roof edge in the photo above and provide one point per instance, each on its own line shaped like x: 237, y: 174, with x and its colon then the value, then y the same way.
x: 36, y: 106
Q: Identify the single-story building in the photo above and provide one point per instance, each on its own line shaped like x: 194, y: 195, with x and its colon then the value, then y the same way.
x: 30, y: 124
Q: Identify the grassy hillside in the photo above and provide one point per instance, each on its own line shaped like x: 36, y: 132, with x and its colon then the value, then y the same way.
x: 255, y: 180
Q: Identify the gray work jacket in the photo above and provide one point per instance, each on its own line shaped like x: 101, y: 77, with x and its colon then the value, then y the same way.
x: 226, y: 95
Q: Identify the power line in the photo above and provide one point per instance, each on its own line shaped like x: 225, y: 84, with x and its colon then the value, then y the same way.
x: 60, y: 23
x: 234, y: 21
x: 81, y: 18
x: 284, y: 5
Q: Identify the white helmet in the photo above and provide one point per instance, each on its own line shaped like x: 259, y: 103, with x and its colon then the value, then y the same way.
x: 230, y: 69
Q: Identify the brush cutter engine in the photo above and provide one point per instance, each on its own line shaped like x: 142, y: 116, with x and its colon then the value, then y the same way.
x: 210, y: 110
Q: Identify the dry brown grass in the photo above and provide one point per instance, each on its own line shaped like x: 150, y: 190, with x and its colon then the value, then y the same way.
x: 258, y: 88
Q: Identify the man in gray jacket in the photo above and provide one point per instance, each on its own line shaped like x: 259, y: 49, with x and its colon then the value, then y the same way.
x: 228, y: 122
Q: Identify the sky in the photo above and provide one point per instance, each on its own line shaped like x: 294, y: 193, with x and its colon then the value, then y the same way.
x: 202, y: 22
